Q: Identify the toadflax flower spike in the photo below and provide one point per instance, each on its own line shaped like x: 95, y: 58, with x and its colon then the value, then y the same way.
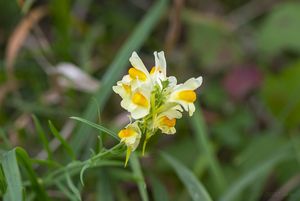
x: 154, y: 100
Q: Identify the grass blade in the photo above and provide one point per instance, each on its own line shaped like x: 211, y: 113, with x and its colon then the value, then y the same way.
x: 3, y: 184
x: 104, y: 186
x: 4, y: 138
x: 97, y: 126
x: 42, y: 136
x: 202, y: 140
x: 137, y: 171
x: 133, y: 43
x: 11, y: 170
x: 24, y: 159
x: 159, y: 191
x: 62, y: 140
x: 245, y: 180
x: 13, y: 176
x: 194, y: 187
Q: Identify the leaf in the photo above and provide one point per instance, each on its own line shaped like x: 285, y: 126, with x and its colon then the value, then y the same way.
x: 137, y: 171
x: 3, y: 184
x: 62, y: 140
x: 284, y: 104
x: 4, y: 138
x: 84, y: 168
x: 159, y: 191
x: 250, y: 177
x: 284, y: 17
x: 203, y: 141
x: 13, y: 177
x: 66, y: 191
x: 101, y: 128
x: 42, y: 136
x: 72, y: 187
x: 133, y: 43
x: 104, y: 187
x: 194, y: 187
x: 211, y: 41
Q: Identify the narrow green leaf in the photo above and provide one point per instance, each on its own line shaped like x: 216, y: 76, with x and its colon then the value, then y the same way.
x: 49, y: 163
x: 250, y: 177
x: 42, y: 136
x: 133, y: 43
x: 66, y: 191
x: 104, y: 187
x: 72, y: 187
x: 159, y: 191
x: 11, y: 170
x: 4, y: 138
x: 25, y: 162
x: 27, y: 5
x: 203, y: 142
x: 62, y: 140
x: 82, y: 172
x: 97, y: 126
x: 13, y: 177
x: 137, y: 171
x: 194, y: 187
x: 3, y: 184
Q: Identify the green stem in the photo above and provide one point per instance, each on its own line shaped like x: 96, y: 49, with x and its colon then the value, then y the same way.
x: 145, y: 142
x: 77, y: 166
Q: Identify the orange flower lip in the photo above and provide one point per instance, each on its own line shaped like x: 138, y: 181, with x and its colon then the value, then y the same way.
x: 127, y: 132
x: 168, y: 122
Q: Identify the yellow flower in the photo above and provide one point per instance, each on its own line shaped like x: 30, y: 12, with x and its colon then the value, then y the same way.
x: 130, y: 136
x: 124, y: 90
x: 138, y: 74
x: 185, y: 95
x: 166, y: 121
x: 154, y: 100
x: 139, y: 103
x: 159, y: 71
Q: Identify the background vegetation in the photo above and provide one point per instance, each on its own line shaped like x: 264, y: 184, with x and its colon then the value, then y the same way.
x: 60, y: 58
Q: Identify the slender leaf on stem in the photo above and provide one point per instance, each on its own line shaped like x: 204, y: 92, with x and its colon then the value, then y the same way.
x: 134, y: 42
x: 66, y: 191
x: 42, y: 136
x: 203, y: 142
x: 97, y: 126
x: 84, y: 168
x: 72, y: 187
x: 62, y: 140
x: 194, y: 187
x: 137, y: 171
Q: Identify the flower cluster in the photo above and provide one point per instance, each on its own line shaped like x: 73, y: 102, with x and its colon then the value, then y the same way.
x: 153, y: 100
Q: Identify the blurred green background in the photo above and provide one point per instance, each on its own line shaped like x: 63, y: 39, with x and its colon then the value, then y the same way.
x: 60, y: 58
